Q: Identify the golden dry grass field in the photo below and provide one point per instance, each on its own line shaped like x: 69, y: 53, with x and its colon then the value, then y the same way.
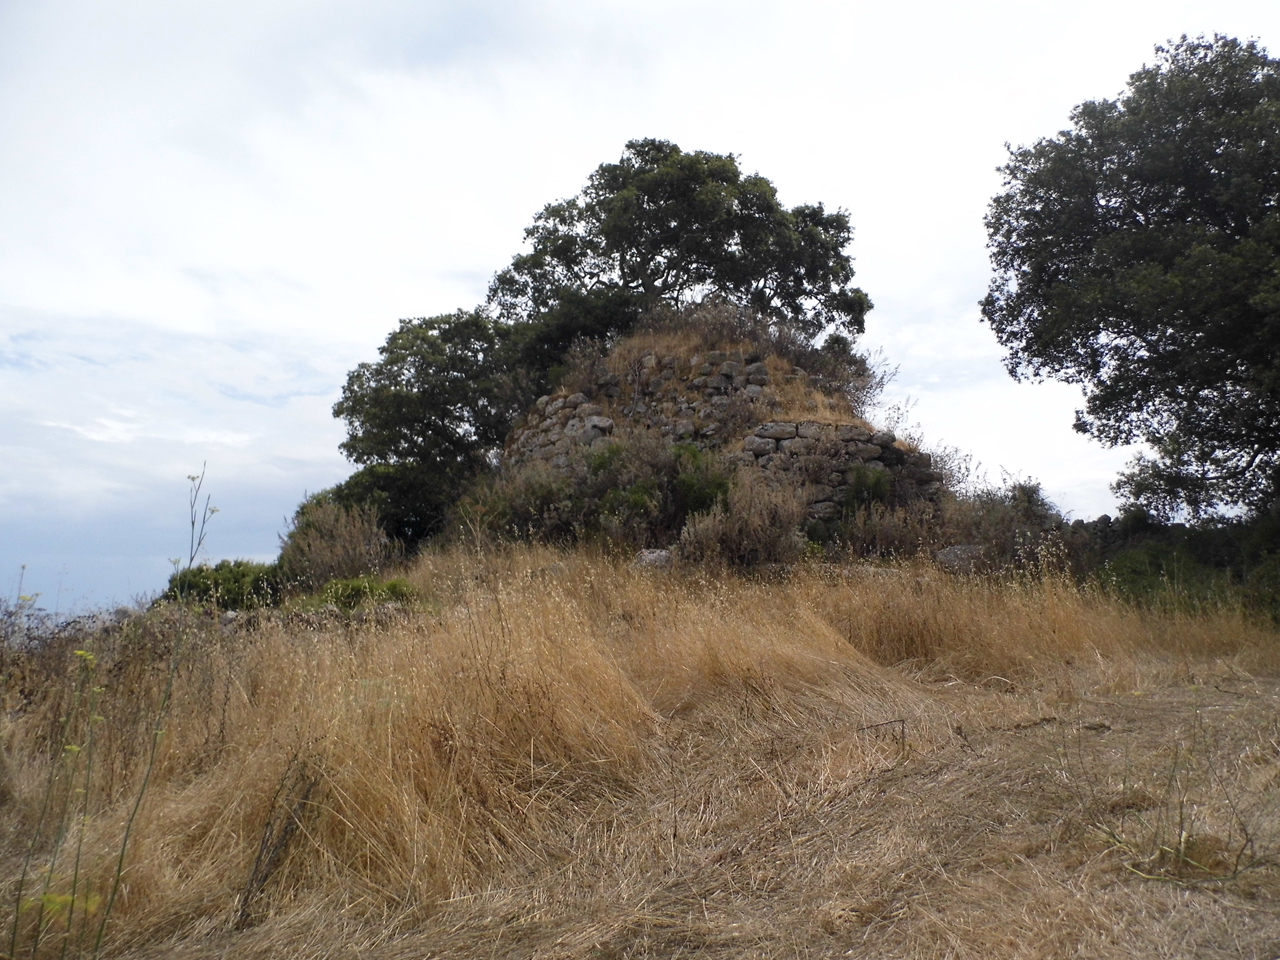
x: 557, y: 755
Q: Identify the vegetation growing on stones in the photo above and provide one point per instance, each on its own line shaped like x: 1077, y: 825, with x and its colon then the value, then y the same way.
x: 659, y: 230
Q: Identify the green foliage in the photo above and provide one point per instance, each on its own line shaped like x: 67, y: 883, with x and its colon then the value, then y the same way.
x: 227, y: 585
x: 663, y: 225
x: 701, y: 483
x: 348, y: 594
x: 866, y: 486
x: 757, y: 522
x: 328, y: 540
x: 1138, y: 255
x: 660, y: 228
x: 1156, y: 572
x: 638, y: 492
x: 425, y: 418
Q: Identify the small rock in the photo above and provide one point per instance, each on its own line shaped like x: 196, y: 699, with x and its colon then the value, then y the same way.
x: 864, y: 451
x: 603, y: 424
x: 963, y: 558
x: 652, y: 559
x: 817, y: 492
x: 575, y: 400
x: 776, y: 431
x: 590, y: 410
x: 754, y: 390
x: 684, y: 428
x: 796, y: 447
x: 759, y: 446
x: 847, y: 432
x: 823, y: 511
x: 811, y: 431
x: 883, y: 438
x: 757, y: 369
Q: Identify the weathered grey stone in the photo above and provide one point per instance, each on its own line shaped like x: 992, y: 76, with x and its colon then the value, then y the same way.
x: 589, y: 410
x: 759, y: 445
x: 758, y: 379
x: 816, y: 492
x: 719, y: 403
x: 648, y: 361
x: 754, y: 391
x: 555, y: 407
x: 874, y: 465
x: 812, y: 431
x: 603, y: 424
x: 759, y: 368
x: 883, y: 438
x: 575, y: 400
x: 542, y: 403
x: 730, y: 369
x: 717, y: 383
x: 669, y: 362
x: 823, y: 511
x: 684, y: 428
x: 573, y: 427
x: 796, y: 447
x: 864, y: 451
x: 653, y: 558
x: 589, y: 434
x: 963, y: 558
x: 846, y: 432
x: 717, y: 357
x: 776, y: 431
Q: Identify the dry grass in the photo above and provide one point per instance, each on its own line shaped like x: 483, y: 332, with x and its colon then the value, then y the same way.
x: 559, y: 756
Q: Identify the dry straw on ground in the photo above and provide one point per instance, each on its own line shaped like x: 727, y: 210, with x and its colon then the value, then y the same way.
x: 557, y: 755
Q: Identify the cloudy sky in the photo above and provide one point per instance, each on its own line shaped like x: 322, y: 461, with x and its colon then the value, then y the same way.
x: 210, y: 212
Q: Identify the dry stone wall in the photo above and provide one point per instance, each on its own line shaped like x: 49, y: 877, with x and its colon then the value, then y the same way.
x: 724, y: 401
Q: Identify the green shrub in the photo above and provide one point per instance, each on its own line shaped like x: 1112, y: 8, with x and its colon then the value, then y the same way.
x: 360, y: 591
x: 638, y: 492
x: 227, y: 585
x: 757, y: 523
x: 329, y: 541
x: 700, y: 483
x: 866, y: 486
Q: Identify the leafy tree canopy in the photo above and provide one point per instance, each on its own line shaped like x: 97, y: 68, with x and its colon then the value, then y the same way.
x: 660, y: 227
x: 663, y: 225
x: 1137, y: 254
x: 421, y: 420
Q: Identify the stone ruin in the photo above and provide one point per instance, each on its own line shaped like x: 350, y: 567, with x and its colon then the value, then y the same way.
x: 724, y: 401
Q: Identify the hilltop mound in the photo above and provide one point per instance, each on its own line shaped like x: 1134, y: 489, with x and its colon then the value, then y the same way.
x: 728, y: 407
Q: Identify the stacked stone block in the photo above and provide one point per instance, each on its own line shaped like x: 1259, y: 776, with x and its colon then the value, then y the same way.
x: 710, y: 400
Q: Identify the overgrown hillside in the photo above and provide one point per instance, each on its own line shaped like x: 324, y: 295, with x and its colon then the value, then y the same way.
x: 554, y: 754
